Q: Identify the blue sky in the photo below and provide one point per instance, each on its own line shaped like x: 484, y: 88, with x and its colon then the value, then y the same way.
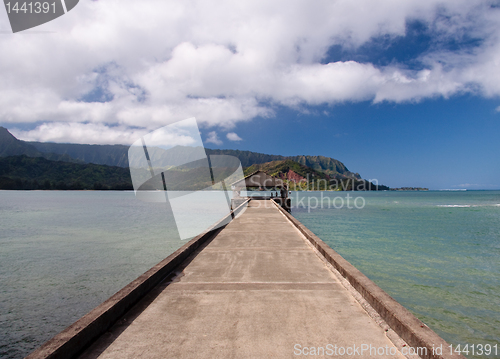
x: 438, y: 143
x: 407, y: 93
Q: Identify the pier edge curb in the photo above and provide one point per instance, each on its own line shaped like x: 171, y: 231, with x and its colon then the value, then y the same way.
x: 401, y: 320
x: 73, y: 340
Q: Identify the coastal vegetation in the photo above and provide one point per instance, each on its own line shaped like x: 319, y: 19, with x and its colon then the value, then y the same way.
x: 117, y: 155
x: 32, y: 173
x: 410, y: 189
x: 299, y: 177
x: 61, y: 166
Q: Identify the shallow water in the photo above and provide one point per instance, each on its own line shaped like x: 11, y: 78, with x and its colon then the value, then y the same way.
x: 63, y: 253
x: 437, y: 253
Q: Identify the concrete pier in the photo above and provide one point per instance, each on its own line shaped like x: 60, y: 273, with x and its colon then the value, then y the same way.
x: 262, y: 286
x: 257, y: 290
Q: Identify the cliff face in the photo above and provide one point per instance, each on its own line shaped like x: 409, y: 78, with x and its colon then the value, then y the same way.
x: 301, y: 177
x: 11, y: 146
x: 117, y: 155
x: 294, y: 169
x: 327, y: 165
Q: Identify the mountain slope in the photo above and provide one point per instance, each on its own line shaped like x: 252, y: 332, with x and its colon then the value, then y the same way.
x: 111, y: 155
x: 285, y: 169
x: 247, y: 158
x: 22, y: 172
x: 11, y: 146
x: 301, y: 177
x: 330, y: 166
x: 117, y: 155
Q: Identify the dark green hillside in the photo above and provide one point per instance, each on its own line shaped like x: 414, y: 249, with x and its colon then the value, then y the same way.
x: 22, y: 172
x: 300, y: 177
x: 328, y: 165
x: 110, y: 155
x: 117, y: 155
x: 316, y: 169
x: 281, y: 168
x: 247, y: 158
x: 11, y: 146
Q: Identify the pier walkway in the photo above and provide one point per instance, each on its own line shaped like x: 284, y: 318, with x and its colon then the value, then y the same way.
x: 256, y: 290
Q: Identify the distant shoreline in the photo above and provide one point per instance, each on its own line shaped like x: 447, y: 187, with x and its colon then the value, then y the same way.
x: 409, y: 189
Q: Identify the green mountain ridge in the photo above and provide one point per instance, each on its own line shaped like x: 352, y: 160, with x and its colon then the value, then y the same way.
x: 11, y: 146
x: 29, y: 173
x: 301, y: 177
x: 328, y: 165
x: 283, y: 167
x: 37, y: 165
x: 117, y: 155
x: 110, y: 155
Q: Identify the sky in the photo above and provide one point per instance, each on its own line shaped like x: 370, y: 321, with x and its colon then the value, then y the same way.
x: 404, y: 92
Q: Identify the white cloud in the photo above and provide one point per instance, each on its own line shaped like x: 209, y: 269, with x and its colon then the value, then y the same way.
x: 213, y: 138
x: 233, y: 137
x: 80, y: 133
x: 156, y: 62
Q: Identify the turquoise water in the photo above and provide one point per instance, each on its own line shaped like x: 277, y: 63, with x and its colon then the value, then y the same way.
x: 437, y: 253
x: 63, y: 253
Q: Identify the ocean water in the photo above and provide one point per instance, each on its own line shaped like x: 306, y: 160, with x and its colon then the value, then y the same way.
x: 64, y: 253
x: 437, y: 253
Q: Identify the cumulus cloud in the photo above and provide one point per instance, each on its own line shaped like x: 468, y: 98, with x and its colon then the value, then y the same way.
x: 111, y: 69
x: 213, y: 138
x: 233, y: 137
x: 81, y: 133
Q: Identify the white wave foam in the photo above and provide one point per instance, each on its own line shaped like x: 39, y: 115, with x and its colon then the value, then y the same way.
x: 467, y: 205
x: 455, y: 205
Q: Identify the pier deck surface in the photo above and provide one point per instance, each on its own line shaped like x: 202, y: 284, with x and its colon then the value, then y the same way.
x: 255, y: 291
